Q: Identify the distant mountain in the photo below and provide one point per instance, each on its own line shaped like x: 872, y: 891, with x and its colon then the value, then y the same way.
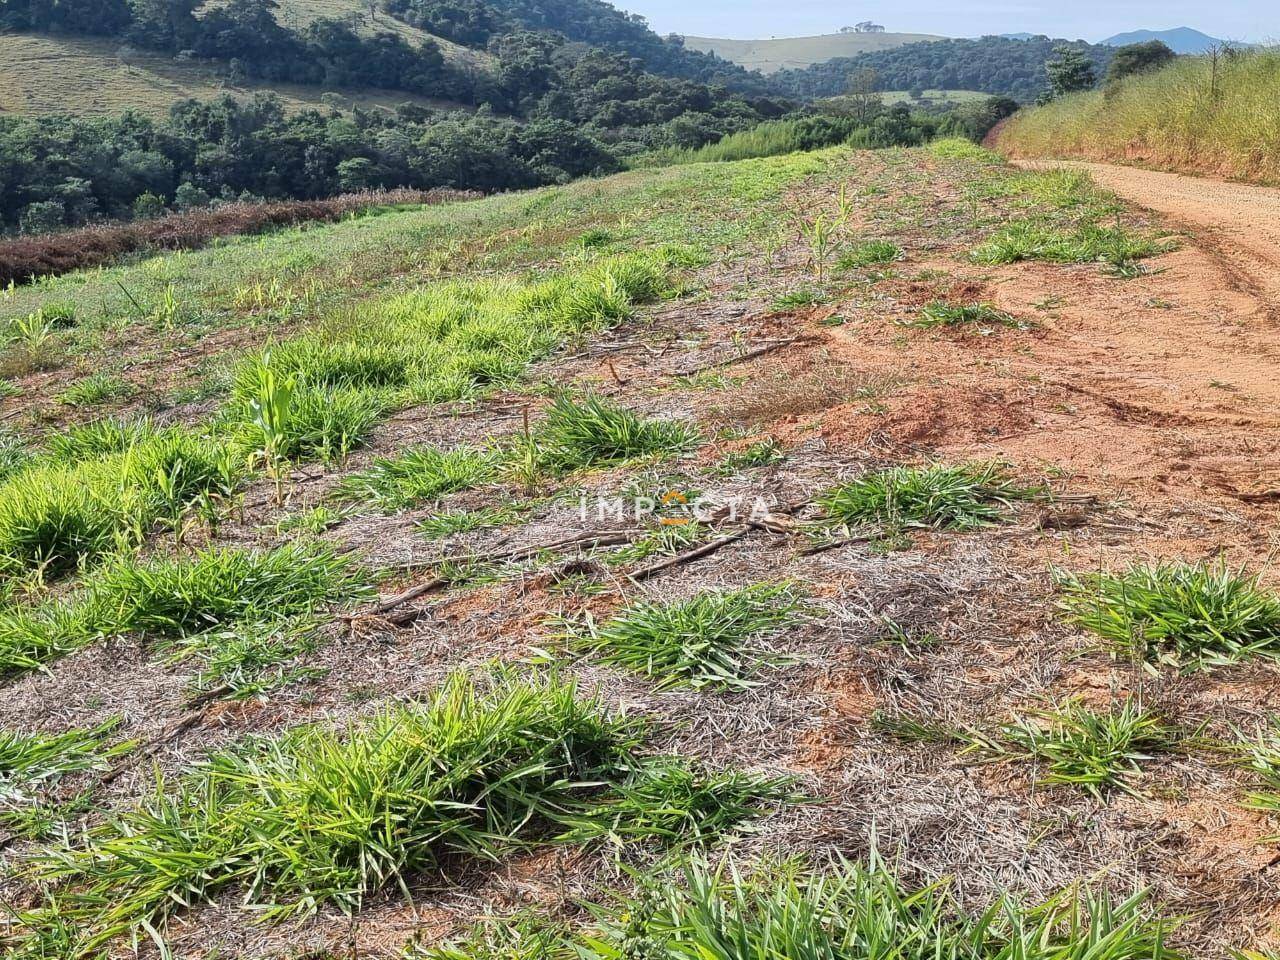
x: 790, y: 53
x: 1179, y: 40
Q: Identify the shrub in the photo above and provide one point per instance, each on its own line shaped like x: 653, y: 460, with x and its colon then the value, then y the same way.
x: 960, y: 497
x: 1187, y: 615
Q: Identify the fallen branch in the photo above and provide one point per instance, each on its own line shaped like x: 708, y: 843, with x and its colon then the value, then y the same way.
x: 689, y: 556
x: 740, y: 358
x: 605, y: 538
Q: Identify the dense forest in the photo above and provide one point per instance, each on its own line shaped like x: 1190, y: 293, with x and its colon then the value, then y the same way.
x: 569, y: 88
x: 474, y: 23
x: 550, y: 107
x: 995, y: 65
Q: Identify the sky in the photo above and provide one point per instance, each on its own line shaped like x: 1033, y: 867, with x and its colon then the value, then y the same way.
x: 1249, y: 20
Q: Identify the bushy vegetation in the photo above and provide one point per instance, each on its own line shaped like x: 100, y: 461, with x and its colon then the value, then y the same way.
x: 708, y: 641
x: 1187, y: 615
x: 552, y: 109
x: 961, y: 497
x: 1200, y: 114
x: 765, y: 140
x: 995, y: 65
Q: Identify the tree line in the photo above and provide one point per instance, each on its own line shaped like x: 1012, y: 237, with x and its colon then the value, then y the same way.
x: 996, y: 65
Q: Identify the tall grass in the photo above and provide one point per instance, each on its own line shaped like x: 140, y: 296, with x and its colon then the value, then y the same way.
x: 104, y: 488
x: 1191, y: 115
x: 767, y: 139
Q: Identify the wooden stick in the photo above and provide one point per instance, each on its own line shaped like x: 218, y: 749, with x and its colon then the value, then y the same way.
x: 740, y: 358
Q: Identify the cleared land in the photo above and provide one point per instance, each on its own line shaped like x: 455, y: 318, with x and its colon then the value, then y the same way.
x: 93, y: 77
x: 770, y: 56
x: 1001, y: 425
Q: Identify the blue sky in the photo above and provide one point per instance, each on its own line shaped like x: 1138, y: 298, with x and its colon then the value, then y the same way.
x: 1253, y: 20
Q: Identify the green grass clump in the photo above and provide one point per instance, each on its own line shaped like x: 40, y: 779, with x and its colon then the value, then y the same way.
x: 1262, y: 757
x: 939, y: 313
x: 762, y: 453
x: 1084, y: 243
x: 31, y: 761
x: 419, y: 475
x: 869, y: 254
x: 1062, y: 189
x: 592, y: 432
x: 101, y: 438
x: 95, y: 389
x: 666, y: 800
x: 1186, y: 615
x: 960, y: 497
x: 958, y: 148
x: 709, y: 641
x: 1079, y: 747
x: 320, y: 817
x: 177, y: 598
x: 55, y: 516
x: 786, y: 912
x: 465, y: 521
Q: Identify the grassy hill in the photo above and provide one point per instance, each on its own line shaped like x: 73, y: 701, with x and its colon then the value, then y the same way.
x: 787, y: 53
x: 328, y: 623
x: 95, y: 77
x: 1191, y: 116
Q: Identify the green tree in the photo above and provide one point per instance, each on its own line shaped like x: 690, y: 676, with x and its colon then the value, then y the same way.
x: 1138, y: 58
x: 1069, y: 71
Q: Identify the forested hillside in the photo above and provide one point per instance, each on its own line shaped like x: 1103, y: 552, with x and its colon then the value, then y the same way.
x: 550, y: 106
x: 995, y: 65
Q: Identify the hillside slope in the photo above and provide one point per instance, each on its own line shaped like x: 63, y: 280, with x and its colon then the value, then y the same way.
x: 382, y: 620
x: 89, y: 76
x: 784, y: 53
x: 1192, y: 116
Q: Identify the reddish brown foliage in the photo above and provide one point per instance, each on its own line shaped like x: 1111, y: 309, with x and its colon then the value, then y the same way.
x: 23, y: 258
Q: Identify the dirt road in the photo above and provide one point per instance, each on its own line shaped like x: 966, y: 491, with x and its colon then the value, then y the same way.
x: 1238, y: 224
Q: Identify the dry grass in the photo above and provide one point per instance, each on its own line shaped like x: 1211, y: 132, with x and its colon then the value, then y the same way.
x: 1191, y: 116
